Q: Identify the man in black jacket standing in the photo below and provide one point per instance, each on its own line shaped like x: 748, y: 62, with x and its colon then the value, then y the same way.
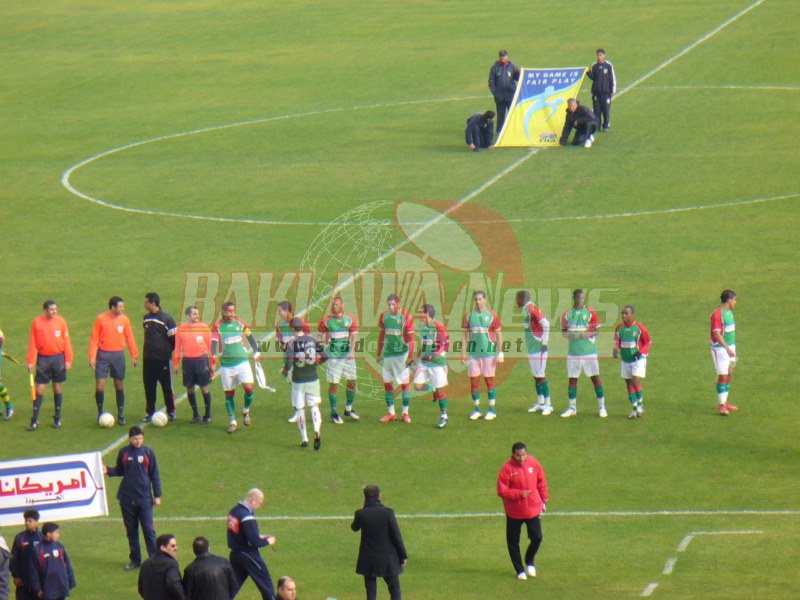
x: 583, y: 121
x: 604, y: 86
x: 503, y: 77
x: 136, y: 464
x: 208, y: 577
x: 160, y: 577
x: 381, y: 553
x: 159, y: 343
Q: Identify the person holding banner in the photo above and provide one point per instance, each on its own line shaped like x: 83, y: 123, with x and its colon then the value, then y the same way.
x: 49, y: 357
x: 503, y: 77
x: 583, y: 121
x: 604, y: 85
x: 480, y: 130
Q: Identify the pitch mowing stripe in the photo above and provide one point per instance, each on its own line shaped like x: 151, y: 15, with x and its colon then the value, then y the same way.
x: 65, y: 178
x: 492, y: 515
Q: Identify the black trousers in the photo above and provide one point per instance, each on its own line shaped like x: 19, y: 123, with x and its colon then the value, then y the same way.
x: 601, y: 105
x: 513, y: 528
x: 392, y: 582
x: 133, y: 515
x: 503, y: 106
x: 155, y: 372
x: 583, y: 131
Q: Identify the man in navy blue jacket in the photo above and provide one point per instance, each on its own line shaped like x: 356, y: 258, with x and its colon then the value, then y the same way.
x: 52, y: 576
x: 480, y: 130
x: 244, y: 541
x: 136, y: 464
x: 503, y: 77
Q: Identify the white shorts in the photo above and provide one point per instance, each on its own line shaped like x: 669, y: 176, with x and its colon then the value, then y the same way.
x: 634, y: 369
x: 436, y: 375
x: 722, y: 362
x: 232, y: 376
x: 338, y: 368
x: 481, y: 366
x: 538, y: 363
x: 588, y: 364
x: 305, y: 394
x: 395, y: 369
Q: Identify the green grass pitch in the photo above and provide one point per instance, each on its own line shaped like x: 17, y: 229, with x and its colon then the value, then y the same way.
x: 300, y: 112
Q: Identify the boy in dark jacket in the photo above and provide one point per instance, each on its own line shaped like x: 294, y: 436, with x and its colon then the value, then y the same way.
x: 480, y: 130
x: 22, y: 550
x: 52, y: 576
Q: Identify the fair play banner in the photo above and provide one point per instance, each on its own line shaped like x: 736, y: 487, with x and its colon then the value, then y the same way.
x: 59, y: 487
x: 538, y: 110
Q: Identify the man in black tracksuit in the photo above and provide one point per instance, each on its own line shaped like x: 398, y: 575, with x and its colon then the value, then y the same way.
x: 480, y: 130
x: 159, y: 342
x: 503, y: 77
x: 137, y: 465
x: 604, y: 86
x: 583, y: 120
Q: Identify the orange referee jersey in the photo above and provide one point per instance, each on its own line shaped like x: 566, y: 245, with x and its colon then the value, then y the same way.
x: 110, y: 333
x: 49, y: 336
x: 193, y: 340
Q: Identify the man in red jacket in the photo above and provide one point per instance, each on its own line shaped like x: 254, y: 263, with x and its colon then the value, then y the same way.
x: 523, y: 487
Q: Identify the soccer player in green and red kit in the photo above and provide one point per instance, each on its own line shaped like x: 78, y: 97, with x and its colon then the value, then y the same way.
x: 579, y: 325
x: 395, y: 346
x: 631, y: 345
x: 432, y: 369
x: 537, y: 334
x: 341, y: 334
x: 229, y: 334
x: 481, y: 350
x: 5, y: 398
x: 723, y: 348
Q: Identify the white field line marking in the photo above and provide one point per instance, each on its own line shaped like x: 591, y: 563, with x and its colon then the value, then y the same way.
x: 651, y: 587
x: 494, y: 515
x: 694, y: 45
x: 669, y: 566
x: 65, y: 178
x: 767, y: 88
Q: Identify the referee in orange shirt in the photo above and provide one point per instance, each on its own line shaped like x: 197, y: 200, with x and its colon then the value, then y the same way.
x: 111, y: 332
x: 49, y: 356
x: 193, y: 343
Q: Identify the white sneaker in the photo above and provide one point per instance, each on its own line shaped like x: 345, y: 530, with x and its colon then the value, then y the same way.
x: 531, y: 570
x: 570, y: 412
x: 536, y: 408
x: 639, y: 411
x: 591, y: 137
x: 602, y: 413
x: 632, y: 414
x: 293, y: 419
x: 522, y: 576
x: 588, y: 143
x: 476, y: 414
x: 547, y: 410
x: 490, y: 415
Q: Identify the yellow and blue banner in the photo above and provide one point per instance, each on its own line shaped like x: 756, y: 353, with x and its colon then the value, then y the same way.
x: 538, y: 110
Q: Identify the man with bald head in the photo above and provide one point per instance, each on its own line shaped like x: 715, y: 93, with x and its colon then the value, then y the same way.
x: 244, y: 541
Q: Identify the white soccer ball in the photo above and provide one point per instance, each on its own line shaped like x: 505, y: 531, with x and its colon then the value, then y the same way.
x: 160, y: 419
x: 106, y: 420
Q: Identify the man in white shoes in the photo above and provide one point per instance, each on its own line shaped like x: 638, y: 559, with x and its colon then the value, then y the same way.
x: 523, y: 488
x: 537, y: 334
x: 579, y: 325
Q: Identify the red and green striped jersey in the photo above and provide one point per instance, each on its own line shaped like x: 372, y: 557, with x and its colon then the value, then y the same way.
x: 536, y: 328
x: 284, y: 334
x: 435, y: 344
x: 577, y: 321
x: 396, y: 333
x: 337, y: 332
x: 722, y: 321
x: 231, y: 336
x: 630, y: 339
x: 482, y: 327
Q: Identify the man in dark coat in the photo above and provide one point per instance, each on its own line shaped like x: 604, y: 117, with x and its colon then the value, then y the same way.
x: 208, y: 577
x: 160, y: 577
x: 583, y: 121
x: 503, y: 77
x: 480, y: 130
x: 381, y: 553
